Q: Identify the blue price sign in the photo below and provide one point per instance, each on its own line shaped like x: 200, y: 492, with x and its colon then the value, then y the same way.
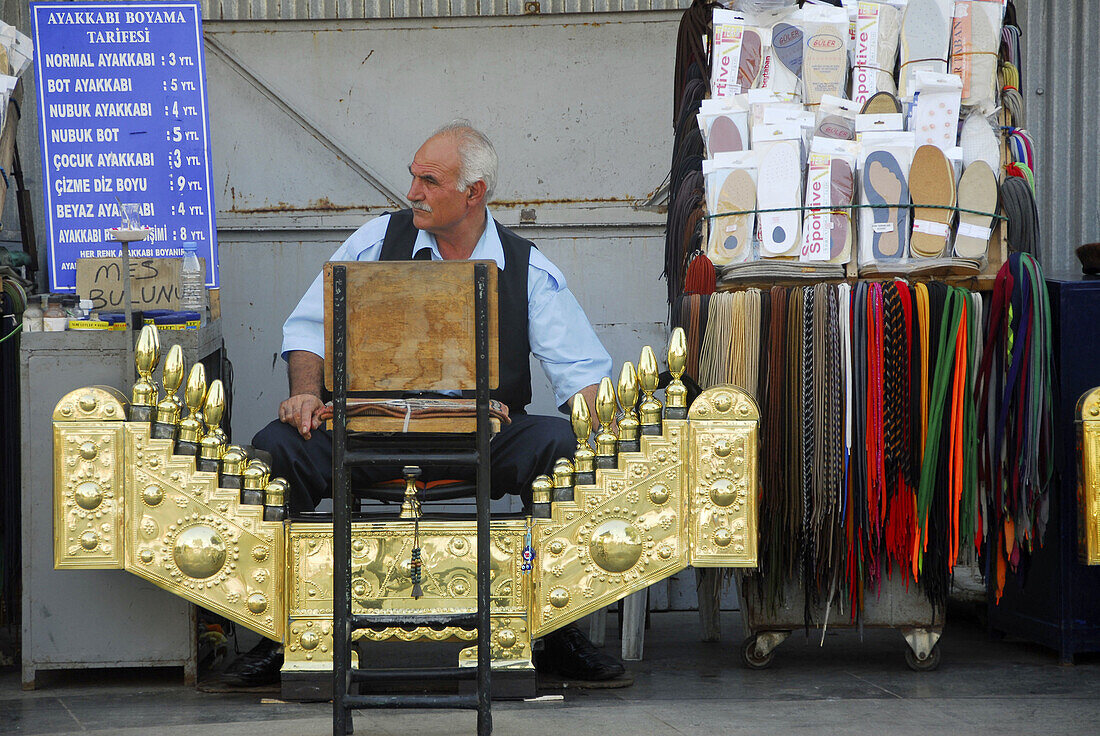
x: 122, y: 112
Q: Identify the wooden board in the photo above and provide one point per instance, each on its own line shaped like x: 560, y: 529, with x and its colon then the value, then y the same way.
x: 410, y: 326
x: 154, y: 282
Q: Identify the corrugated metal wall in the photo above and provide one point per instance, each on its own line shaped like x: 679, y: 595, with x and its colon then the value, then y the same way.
x: 347, y: 9
x: 1061, y: 89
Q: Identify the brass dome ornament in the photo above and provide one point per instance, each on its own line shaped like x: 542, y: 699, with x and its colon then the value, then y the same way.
x: 559, y: 597
x: 143, y: 397
x: 152, y: 495
x: 659, y: 494
x: 257, y: 603
x: 723, y: 492
x: 615, y: 545
x: 88, y: 495
x: 199, y: 552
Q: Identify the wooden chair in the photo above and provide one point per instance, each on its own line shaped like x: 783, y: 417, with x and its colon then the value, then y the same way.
x: 393, y: 328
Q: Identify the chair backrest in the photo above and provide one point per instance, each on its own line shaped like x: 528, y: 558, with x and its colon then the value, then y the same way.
x: 411, y: 325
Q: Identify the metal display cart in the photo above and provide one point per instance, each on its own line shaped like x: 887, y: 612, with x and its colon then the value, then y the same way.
x: 907, y: 610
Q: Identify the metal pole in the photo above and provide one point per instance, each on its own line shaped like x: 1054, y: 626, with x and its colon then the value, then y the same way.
x: 341, y: 516
x: 484, y: 665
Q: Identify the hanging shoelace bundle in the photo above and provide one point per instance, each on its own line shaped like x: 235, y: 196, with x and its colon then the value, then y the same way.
x: 1015, y: 447
x: 901, y: 500
x: 776, y: 558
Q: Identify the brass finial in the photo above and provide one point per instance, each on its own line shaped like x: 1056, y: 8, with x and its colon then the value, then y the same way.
x: 233, y: 460
x: 584, y: 460
x: 194, y: 394
x: 169, y: 408
x: 255, y: 475
x: 605, y: 438
x: 275, y: 499
x: 173, y: 377
x: 650, y: 410
x: 212, y: 446
x: 410, y: 507
x: 540, y: 489
x: 563, y: 480
x: 676, y: 392
x: 540, y: 497
x: 146, y: 355
x: 629, y: 426
x: 275, y: 492
x: 253, y: 479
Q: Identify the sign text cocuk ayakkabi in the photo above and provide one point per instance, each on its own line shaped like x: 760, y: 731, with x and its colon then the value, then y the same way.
x: 122, y: 106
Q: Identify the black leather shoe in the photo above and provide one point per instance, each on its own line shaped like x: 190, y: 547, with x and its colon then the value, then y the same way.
x: 258, y: 666
x: 568, y: 653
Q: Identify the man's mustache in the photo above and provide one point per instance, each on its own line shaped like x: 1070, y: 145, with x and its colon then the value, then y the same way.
x: 421, y: 206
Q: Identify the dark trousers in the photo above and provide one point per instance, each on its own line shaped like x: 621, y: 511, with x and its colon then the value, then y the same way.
x: 521, y: 451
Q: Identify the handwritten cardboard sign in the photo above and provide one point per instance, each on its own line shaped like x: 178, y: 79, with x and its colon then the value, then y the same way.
x: 154, y: 282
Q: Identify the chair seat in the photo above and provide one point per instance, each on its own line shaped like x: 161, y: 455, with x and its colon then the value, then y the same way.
x: 417, y: 415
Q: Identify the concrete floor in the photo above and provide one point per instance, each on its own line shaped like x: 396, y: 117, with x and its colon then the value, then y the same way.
x: 683, y: 686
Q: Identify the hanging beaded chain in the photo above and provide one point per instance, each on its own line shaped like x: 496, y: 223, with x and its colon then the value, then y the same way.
x: 528, y: 553
x: 415, y: 566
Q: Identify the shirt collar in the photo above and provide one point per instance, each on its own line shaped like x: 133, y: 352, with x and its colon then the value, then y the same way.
x: 488, y: 246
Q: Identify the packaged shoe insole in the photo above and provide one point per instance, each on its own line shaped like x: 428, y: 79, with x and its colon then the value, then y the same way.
x: 876, y: 49
x: 830, y: 185
x: 884, y: 183
x: 730, y: 183
x: 975, y: 41
x: 925, y: 40
x: 779, y: 188
x: 824, y: 55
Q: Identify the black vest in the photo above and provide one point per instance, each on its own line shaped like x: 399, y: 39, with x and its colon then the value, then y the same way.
x: 514, y: 347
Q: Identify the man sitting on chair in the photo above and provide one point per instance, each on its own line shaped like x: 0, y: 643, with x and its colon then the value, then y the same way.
x: 453, y: 175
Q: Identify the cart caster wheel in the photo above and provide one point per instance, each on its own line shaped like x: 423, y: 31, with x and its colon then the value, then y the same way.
x: 749, y: 657
x: 929, y: 663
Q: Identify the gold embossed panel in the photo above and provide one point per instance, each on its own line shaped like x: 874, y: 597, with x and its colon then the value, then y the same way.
x: 620, y: 535
x: 188, y: 536
x: 88, y: 495
x: 381, y: 555
x: 723, y: 481
x: 1088, y: 479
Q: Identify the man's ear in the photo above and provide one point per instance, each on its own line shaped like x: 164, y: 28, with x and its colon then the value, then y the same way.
x: 476, y: 192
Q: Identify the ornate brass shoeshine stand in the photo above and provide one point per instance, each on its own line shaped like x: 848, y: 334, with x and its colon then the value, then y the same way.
x: 136, y: 488
x: 1088, y: 477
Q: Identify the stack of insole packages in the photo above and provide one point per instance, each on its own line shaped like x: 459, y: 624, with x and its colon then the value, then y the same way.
x: 864, y: 132
x: 16, y: 53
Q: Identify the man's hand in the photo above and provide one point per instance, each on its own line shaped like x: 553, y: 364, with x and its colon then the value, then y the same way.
x: 303, y: 411
x: 305, y: 371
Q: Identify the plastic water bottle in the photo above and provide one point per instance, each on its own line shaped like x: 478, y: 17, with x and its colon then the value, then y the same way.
x: 192, y: 283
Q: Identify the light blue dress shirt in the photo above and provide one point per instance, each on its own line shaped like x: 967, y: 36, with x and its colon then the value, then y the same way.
x: 561, y: 336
